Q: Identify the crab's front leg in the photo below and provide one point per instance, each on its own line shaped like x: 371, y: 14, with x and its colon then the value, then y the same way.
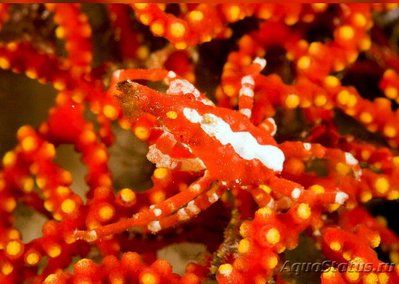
x: 168, y: 153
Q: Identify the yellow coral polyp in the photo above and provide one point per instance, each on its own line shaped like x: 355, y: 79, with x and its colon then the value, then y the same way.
x: 88, y: 136
x: 330, y: 273
x: 375, y: 241
x: 7, y: 268
x: 177, y: 30
x: 127, y: 195
x: 148, y: 278
x: 370, y: 278
x: 161, y: 173
x: 391, y: 92
x: 381, y: 185
x: 352, y: 275
x: 32, y: 258
x: 317, y: 188
x: 28, y: 185
x: 106, y: 212
x: 229, y: 90
x: 304, y: 62
x: 51, y: 279
x: 14, y: 248
x: 366, y: 117
x: 54, y: 251
x: 243, y: 246
x: 273, y: 236
x: 4, y: 63
x: 346, y: 32
x: 233, y: 13
x: 68, y: 206
x: 110, y: 112
x: 304, y: 211
x: 196, y: 16
x: 292, y: 101
x: 335, y: 246
x: 142, y: 132
x: 271, y: 262
x: 225, y: 269
x: 9, y: 204
x: 332, y: 81
x: 9, y: 159
x: 157, y: 28
x: 390, y: 131
x: 320, y: 100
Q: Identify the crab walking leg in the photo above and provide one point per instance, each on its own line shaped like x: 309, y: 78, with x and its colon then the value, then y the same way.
x: 280, y: 188
x: 269, y: 124
x: 146, y: 216
x: 246, y: 94
x: 302, y: 151
x: 191, y: 209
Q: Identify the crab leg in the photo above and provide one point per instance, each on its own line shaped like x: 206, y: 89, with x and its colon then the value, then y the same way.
x: 191, y: 209
x: 148, y: 215
x: 305, y: 151
x: 246, y: 94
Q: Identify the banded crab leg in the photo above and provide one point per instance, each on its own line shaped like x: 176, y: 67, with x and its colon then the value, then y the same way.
x: 190, y: 210
x: 305, y: 151
x: 246, y: 94
x: 148, y: 215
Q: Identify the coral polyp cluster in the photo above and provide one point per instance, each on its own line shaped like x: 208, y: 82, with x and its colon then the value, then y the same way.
x: 275, y: 141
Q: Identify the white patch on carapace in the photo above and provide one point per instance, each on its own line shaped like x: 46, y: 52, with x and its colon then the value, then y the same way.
x: 246, y: 111
x: 261, y: 62
x: 341, y: 197
x: 307, y: 146
x: 350, y: 160
x: 193, y: 208
x: 243, y: 143
x: 157, y: 212
x: 247, y: 80
x: 154, y: 226
x: 296, y: 192
x: 246, y: 91
x: 182, y: 214
x: 213, y: 198
x: 272, y: 122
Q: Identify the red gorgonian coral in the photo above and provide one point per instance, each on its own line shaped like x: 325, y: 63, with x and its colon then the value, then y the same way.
x: 266, y: 156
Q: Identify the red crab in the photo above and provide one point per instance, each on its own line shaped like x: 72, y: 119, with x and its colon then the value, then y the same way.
x: 243, y: 155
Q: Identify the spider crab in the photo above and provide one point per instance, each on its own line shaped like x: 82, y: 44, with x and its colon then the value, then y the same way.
x: 223, y: 144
